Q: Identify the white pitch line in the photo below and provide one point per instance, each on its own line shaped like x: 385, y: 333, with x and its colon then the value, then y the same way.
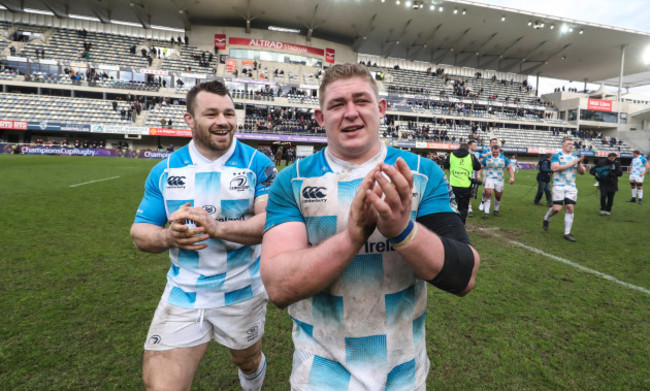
x: 95, y: 181
x: 577, y: 266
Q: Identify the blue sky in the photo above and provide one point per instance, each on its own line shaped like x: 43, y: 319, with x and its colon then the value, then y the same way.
x: 630, y: 14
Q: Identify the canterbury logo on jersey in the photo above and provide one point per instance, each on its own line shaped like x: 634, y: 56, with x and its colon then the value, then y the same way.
x: 176, y: 182
x: 314, y: 194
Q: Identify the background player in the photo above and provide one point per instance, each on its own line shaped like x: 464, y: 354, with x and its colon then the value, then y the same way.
x: 493, y: 167
x: 638, y: 168
x: 213, y: 192
x: 486, y: 152
x: 565, y: 166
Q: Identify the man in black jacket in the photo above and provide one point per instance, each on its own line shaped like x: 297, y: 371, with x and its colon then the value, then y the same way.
x: 544, y: 180
x: 607, y: 172
x: 461, y: 164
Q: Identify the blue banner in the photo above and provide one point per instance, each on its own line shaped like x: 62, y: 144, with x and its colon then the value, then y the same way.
x: 57, y: 126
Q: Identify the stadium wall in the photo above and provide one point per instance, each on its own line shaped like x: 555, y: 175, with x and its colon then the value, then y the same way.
x: 203, y: 37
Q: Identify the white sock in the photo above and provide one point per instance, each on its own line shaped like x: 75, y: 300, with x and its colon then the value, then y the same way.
x: 496, y: 205
x: 469, y: 209
x: 639, y: 193
x: 486, y: 206
x: 253, y: 382
x: 568, y: 222
x: 634, y: 193
x: 549, y: 214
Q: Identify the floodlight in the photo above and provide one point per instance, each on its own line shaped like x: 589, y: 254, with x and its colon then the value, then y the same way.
x: 646, y: 56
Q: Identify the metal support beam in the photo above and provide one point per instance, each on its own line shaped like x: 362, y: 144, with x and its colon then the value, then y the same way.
x: 620, y: 74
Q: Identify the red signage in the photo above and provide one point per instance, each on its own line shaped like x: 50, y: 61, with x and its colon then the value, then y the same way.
x: 154, y: 71
x: 9, y: 124
x: 220, y: 41
x: 231, y: 65
x: 329, y: 55
x: 599, y: 105
x: 277, y: 45
x: 170, y: 132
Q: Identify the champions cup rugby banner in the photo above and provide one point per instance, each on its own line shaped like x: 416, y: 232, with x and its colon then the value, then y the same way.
x: 220, y: 41
x: 71, y: 151
x: 599, y: 105
x: 277, y: 45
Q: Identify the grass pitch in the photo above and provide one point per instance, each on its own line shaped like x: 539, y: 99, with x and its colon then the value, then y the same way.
x: 77, y: 297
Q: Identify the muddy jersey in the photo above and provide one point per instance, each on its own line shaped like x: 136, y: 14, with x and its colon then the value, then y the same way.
x: 366, y: 331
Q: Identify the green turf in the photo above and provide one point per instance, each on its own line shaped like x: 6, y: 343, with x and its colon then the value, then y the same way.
x: 78, y: 297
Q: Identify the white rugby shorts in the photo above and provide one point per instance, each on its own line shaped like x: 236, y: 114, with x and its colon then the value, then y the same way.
x: 561, y: 193
x: 496, y: 185
x: 236, y: 326
x: 636, y: 178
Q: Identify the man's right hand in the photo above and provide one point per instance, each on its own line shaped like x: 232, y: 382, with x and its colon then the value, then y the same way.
x: 362, y: 219
x: 181, y: 236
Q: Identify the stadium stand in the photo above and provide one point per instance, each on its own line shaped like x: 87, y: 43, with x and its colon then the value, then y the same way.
x: 441, y: 104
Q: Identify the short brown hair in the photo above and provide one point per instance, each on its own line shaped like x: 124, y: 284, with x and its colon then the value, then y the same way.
x: 212, y: 86
x: 345, y: 71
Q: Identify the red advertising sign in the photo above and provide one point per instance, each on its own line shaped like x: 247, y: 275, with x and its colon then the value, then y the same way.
x: 10, y: 124
x: 154, y: 71
x: 277, y: 45
x: 170, y: 132
x: 220, y: 41
x: 329, y: 55
x: 599, y: 105
x: 231, y: 65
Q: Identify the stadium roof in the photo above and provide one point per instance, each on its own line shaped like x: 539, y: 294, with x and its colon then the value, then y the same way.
x: 461, y: 33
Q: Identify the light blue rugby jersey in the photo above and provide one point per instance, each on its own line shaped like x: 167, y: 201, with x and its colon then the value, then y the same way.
x: 366, y: 330
x: 638, y: 165
x: 566, y: 178
x: 225, y: 272
x: 493, y: 167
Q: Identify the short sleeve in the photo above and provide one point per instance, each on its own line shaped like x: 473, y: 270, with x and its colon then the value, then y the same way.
x: 436, y: 197
x: 282, y: 206
x: 152, y: 207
